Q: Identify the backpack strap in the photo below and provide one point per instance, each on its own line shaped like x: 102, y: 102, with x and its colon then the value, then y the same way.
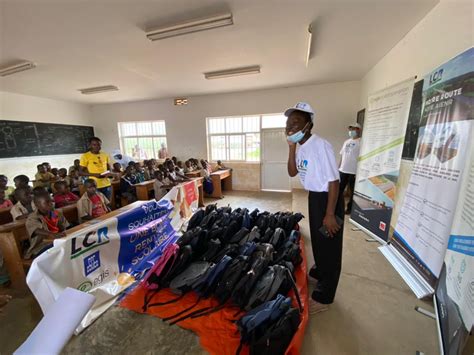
x: 295, y: 290
x: 148, y: 299
x: 167, y: 302
x: 182, y: 312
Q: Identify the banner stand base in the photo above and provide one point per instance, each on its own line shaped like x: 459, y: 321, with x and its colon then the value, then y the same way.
x: 356, y: 229
x: 370, y: 240
x: 366, y: 231
x: 415, y: 281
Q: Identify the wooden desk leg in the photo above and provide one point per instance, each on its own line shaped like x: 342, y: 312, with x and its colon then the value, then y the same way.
x: 216, y: 182
x: 227, y: 182
x: 201, y: 196
x: 142, y: 193
x: 13, y: 263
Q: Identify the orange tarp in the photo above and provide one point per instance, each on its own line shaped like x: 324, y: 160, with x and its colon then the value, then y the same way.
x: 217, y: 332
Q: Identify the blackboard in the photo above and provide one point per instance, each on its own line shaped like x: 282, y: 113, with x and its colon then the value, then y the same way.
x: 25, y: 139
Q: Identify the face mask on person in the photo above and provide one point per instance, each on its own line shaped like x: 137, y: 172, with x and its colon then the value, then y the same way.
x: 352, y: 134
x: 298, y: 136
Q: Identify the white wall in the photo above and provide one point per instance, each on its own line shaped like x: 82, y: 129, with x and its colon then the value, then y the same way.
x: 336, y: 105
x: 18, y: 107
x: 446, y: 31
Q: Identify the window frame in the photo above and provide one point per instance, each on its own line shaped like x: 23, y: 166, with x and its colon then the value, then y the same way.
x: 137, y: 136
x: 227, y: 135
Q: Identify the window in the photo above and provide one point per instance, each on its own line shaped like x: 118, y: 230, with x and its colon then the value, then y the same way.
x: 142, y: 140
x: 234, y: 138
x: 238, y: 138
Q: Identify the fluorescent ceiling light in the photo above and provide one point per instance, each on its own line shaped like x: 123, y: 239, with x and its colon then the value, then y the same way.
x: 98, y: 89
x: 310, y: 37
x: 255, y: 69
x: 190, y: 27
x: 16, y: 68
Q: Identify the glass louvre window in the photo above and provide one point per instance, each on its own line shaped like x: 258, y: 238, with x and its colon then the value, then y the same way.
x: 274, y: 121
x: 142, y: 140
x: 234, y: 138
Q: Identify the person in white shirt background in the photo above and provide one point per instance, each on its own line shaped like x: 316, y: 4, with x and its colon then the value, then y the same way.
x: 348, y: 164
x: 315, y: 163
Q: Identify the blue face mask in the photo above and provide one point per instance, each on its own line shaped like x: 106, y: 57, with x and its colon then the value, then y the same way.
x: 352, y: 134
x: 297, y: 137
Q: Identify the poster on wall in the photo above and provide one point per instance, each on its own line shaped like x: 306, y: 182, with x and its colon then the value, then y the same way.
x: 446, y: 132
x: 379, y: 160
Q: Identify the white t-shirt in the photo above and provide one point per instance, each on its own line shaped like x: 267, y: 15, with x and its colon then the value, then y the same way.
x: 349, y: 154
x: 316, y: 164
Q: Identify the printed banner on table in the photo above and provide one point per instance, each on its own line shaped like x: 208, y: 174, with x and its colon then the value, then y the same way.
x: 107, y: 257
x: 379, y: 160
x: 445, y: 137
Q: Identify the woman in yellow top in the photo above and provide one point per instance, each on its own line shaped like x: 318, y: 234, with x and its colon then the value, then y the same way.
x: 96, y: 165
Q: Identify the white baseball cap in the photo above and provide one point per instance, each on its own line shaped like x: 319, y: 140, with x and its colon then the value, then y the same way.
x: 301, y: 106
x: 356, y: 125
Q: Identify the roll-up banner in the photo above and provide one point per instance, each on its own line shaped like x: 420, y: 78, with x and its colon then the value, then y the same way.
x: 107, y: 257
x: 379, y: 160
x: 441, y: 163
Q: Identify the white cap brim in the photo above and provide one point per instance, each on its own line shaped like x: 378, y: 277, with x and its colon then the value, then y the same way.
x: 291, y: 110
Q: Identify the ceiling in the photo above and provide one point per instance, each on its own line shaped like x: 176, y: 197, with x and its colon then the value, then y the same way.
x: 80, y: 43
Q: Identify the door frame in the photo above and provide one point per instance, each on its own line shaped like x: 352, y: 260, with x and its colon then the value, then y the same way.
x: 262, y: 162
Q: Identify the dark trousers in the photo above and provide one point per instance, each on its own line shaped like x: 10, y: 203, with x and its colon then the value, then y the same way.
x: 347, y: 179
x: 327, y: 251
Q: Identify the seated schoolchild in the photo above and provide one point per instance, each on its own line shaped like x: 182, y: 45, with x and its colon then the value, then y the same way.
x: 4, y: 186
x: 149, y: 170
x: 161, y: 185
x: 127, y: 182
x: 139, y: 172
x: 180, y: 167
x: 62, y: 175
x: 73, y: 181
x: 188, y: 166
x: 43, y: 178
x: 221, y: 166
x: 44, y: 225
x: 21, y: 181
x: 206, y: 170
x: 93, y: 203
x: 25, y: 204
x: 63, y: 196
x: 117, y: 169
x: 4, y: 202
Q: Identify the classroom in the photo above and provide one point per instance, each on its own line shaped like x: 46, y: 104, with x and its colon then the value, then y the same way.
x: 237, y: 177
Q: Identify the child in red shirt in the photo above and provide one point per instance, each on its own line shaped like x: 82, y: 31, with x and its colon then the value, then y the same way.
x: 4, y: 203
x: 63, y: 196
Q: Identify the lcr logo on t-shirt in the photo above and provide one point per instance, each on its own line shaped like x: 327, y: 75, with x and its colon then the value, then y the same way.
x: 302, y: 167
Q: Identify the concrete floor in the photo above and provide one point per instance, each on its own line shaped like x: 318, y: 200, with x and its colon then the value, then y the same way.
x: 372, y: 314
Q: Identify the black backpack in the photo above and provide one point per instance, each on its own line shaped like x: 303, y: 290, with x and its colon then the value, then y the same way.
x: 254, y: 235
x: 241, y: 234
x: 278, y: 238
x: 277, y: 337
x: 196, y: 219
x: 277, y: 279
x: 243, y: 288
x: 289, y: 252
x: 237, y: 268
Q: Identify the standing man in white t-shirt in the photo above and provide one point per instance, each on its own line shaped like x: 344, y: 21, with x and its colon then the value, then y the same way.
x: 348, y: 164
x: 316, y: 165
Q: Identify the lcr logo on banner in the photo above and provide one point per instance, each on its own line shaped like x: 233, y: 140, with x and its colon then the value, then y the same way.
x: 90, y: 241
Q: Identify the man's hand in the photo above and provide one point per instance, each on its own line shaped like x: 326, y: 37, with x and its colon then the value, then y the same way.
x: 331, y: 224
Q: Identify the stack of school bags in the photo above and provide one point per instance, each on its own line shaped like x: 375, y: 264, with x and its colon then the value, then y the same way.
x: 245, y: 259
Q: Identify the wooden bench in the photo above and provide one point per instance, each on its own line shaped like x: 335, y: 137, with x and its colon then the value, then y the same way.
x: 5, y: 215
x: 193, y: 174
x: 221, y: 180
x: 11, y: 237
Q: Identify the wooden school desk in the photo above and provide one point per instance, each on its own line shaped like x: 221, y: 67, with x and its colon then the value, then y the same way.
x: 5, y: 215
x: 143, y: 188
x: 221, y: 180
x: 193, y: 174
